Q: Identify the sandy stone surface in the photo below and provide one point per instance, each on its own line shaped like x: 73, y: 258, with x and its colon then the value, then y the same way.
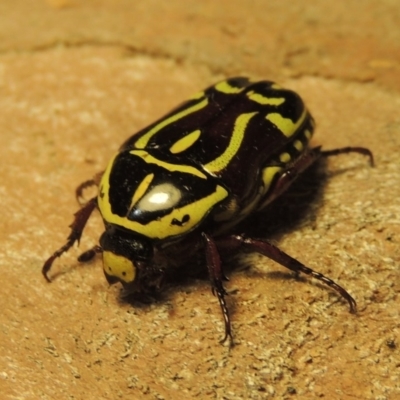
x: 77, y: 79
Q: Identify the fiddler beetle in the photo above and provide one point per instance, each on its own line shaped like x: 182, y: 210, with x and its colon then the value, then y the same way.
x: 179, y: 187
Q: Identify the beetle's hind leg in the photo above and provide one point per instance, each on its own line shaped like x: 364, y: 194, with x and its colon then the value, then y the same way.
x: 344, y: 150
x: 77, y: 226
x: 274, y: 253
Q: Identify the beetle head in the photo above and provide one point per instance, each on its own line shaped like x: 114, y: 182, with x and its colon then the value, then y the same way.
x: 124, y: 254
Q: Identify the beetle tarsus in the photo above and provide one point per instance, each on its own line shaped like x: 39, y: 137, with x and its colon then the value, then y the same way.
x: 344, y: 150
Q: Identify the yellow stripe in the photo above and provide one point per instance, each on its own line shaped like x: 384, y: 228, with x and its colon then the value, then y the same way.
x: 307, y: 134
x: 284, y: 158
x: 185, y: 142
x: 149, y: 159
x: 103, y: 200
x: 141, y: 190
x: 286, y: 125
x: 141, y: 143
x: 268, y: 176
x: 236, y: 140
x: 298, y: 145
x: 197, y: 95
x: 225, y: 87
x: 260, y: 99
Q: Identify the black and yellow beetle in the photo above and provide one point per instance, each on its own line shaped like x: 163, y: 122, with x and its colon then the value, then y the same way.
x: 178, y: 187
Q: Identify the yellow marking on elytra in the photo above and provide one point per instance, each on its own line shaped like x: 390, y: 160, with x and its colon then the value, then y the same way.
x: 141, y: 189
x: 163, y: 227
x: 298, y: 145
x: 225, y: 87
x: 276, y: 86
x: 307, y: 134
x: 197, y: 95
x: 149, y: 159
x: 260, y: 99
x: 286, y: 125
x: 105, y: 184
x: 234, y: 144
x: 119, y: 267
x: 141, y: 143
x: 268, y: 176
x: 284, y: 158
x: 185, y: 142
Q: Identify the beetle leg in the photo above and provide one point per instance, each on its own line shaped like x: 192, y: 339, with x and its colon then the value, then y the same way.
x: 304, y: 162
x: 274, y: 253
x: 79, y: 190
x: 216, y: 277
x: 88, y: 255
x: 344, y: 150
x: 84, y: 185
x: 77, y: 226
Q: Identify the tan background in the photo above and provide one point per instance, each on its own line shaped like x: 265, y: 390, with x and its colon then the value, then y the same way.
x: 76, y: 79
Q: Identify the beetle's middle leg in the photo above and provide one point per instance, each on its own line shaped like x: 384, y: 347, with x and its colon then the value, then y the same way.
x: 216, y: 276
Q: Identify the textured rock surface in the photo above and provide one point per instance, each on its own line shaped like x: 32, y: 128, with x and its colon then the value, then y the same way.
x: 76, y: 80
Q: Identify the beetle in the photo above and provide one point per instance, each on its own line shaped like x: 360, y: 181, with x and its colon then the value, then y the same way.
x: 180, y: 186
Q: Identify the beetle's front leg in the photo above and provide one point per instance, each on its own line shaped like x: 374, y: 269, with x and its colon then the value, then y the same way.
x: 77, y: 226
x: 216, y: 276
